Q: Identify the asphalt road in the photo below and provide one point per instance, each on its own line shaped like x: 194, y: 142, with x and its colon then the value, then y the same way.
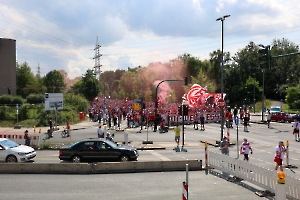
x: 133, y: 186
x: 262, y: 140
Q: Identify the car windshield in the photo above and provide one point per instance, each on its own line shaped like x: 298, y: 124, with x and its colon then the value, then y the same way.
x: 112, y: 144
x: 275, y: 109
x: 9, y: 143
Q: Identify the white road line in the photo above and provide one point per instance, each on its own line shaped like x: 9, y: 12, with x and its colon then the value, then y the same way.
x: 161, y: 157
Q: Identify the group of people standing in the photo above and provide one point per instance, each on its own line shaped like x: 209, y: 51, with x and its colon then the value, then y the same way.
x: 246, y: 148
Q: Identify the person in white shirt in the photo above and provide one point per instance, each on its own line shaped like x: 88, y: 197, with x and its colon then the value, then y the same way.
x: 279, y: 155
x: 245, y: 149
x: 296, y: 130
x: 100, y: 132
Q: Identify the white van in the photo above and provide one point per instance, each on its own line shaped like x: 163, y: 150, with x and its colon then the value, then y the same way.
x: 275, y: 109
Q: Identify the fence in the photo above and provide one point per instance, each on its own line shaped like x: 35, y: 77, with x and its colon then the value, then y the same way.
x: 253, y: 173
x: 19, y: 138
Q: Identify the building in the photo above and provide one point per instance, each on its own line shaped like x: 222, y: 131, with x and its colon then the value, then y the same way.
x: 8, y: 64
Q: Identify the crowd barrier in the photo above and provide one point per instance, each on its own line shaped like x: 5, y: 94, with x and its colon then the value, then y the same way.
x: 253, y: 173
x: 19, y: 138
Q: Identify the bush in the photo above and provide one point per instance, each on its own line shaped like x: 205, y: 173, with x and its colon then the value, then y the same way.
x: 10, y: 100
x: 35, y: 98
x: 8, y: 113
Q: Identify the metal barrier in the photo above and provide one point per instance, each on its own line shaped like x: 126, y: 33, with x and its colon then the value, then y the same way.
x: 253, y: 173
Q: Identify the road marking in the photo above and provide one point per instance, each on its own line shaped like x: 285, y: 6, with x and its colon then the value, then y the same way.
x: 161, y: 157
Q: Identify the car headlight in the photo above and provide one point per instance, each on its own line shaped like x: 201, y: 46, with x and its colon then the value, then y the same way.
x: 21, y: 153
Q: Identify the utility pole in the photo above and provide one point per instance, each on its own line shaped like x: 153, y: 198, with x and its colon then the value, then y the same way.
x: 97, y: 60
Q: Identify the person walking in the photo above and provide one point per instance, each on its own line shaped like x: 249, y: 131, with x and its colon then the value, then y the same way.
x: 245, y: 149
x: 27, y: 138
x: 224, y: 146
x: 202, y: 119
x: 246, y: 121
x: 68, y: 127
x: 279, y: 155
x: 177, y: 131
x: 100, y: 132
x: 269, y: 118
x: 296, y: 130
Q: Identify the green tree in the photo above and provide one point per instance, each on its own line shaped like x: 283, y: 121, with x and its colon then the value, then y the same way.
x: 26, y: 81
x: 293, y: 97
x: 54, y: 82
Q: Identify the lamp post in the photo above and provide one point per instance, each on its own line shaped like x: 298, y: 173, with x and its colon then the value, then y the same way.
x: 222, y: 19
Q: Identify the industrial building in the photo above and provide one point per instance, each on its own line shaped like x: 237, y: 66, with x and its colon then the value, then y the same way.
x: 8, y: 64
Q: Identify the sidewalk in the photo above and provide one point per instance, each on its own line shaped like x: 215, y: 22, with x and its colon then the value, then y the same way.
x: 79, y: 126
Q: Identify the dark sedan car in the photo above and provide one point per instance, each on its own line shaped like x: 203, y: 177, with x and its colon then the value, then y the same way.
x: 97, y: 149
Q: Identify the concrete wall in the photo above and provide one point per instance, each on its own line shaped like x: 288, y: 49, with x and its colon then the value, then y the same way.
x: 7, y: 65
x: 98, y: 168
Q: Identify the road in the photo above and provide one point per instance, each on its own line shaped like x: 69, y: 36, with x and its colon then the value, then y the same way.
x: 133, y: 186
x: 262, y: 140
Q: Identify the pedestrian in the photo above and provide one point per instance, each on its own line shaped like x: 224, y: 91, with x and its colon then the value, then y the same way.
x: 245, y: 149
x: 246, y: 121
x: 202, y: 122
x: 269, y: 118
x: 296, y: 130
x: 100, y: 132
x: 68, y: 126
x: 196, y: 121
x: 27, y: 138
x: 177, y: 131
x: 279, y: 155
x: 235, y: 111
x: 224, y: 146
x: 51, y: 127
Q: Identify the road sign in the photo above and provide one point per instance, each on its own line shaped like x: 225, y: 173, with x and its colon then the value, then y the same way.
x: 136, y: 106
x: 236, y: 120
x: 221, y: 103
x: 54, y: 101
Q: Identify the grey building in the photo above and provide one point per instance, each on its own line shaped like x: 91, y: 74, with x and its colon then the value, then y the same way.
x: 8, y: 63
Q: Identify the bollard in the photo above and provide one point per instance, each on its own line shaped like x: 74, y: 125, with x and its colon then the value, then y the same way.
x: 125, y: 138
x: 185, y: 190
x: 280, y: 192
x: 206, y: 158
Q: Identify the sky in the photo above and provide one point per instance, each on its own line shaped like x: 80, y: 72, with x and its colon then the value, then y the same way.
x: 55, y: 34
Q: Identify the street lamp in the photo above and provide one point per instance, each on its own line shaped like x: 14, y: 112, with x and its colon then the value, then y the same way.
x: 222, y: 19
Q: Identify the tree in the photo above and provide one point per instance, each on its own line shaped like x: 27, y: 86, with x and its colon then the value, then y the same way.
x: 26, y: 82
x: 54, y: 82
x: 293, y: 96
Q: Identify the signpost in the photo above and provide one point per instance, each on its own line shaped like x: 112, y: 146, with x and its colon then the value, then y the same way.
x: 17, y: 109
x: 54, y: 101
x: 236, y: 121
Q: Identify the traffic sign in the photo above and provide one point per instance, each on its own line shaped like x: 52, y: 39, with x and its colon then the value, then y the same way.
x: 17, y: 106
x: 236, y: 120
x: 221, y: 103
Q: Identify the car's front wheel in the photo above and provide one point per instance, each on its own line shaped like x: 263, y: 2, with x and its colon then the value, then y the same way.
x: 76, y: 159
x: 124, y: 158
x: 11, y: 159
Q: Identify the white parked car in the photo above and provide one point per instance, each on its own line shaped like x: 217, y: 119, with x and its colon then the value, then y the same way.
x: 11, y: 151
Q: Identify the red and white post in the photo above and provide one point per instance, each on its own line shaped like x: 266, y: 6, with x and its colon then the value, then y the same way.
x: 185, y: 187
